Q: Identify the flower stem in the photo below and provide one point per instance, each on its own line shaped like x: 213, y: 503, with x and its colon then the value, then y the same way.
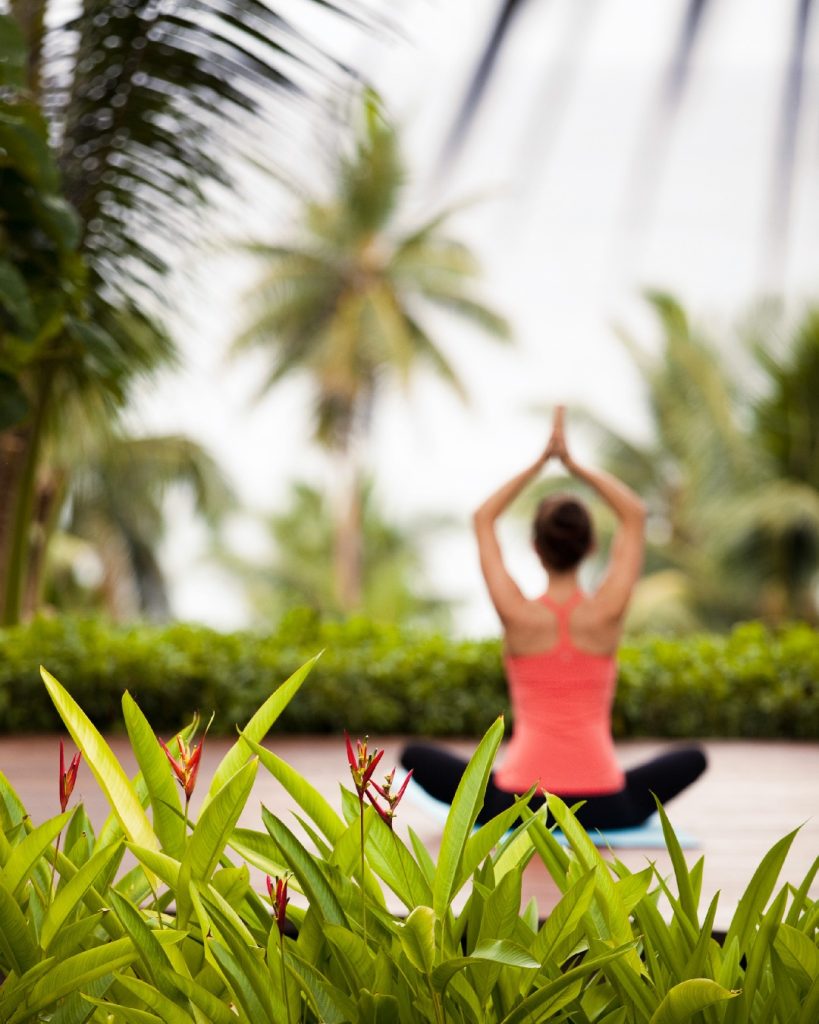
x: 361, y: 882
x: 54, y: 867
x: 284, y: 979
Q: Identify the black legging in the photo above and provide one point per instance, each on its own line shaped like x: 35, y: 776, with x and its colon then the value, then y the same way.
x: 439, y: 773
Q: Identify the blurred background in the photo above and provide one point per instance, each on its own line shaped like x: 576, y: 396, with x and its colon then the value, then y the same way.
x: 288, y: 287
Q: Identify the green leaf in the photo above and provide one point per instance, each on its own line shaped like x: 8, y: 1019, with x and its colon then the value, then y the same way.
x: 530, y: 1009
x: 72, y: 974
x: 257, y: 728
x: 481, y: 843
x: 332, y: 1005
x: 393, y: 863
x: 128, y: 1013
x: 26, y: 853
x: 12, y: 53
x: 461, y: 819
x: 169, y: 822
x: 314, y: 884
x: 214, y: 1008
x: 684, y: 888
x: 753, y: 901
x: 564, y: 918
x: 797, y: 951
x: 14, y: 406
x: 689, y: 997
x: 216, y: 822
x: 17, y: 944
x: 417, y: 936
x: 70, y: 896
x: 169, y: 1011
x: 164, y: 867
x: 113, y: 781
x: 213, y: 829
x: 151, y: 953
x: 15, y: 301
x: 607, y: 897
x: 352, y: 953
x: 314, y: 805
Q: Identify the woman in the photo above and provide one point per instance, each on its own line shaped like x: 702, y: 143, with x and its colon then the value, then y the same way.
x: 559, y: 655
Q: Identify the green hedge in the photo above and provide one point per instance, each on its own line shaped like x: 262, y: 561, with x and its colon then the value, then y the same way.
x: 381, y: 679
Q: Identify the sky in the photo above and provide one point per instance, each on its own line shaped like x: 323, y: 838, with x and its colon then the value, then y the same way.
x: 587, y: 198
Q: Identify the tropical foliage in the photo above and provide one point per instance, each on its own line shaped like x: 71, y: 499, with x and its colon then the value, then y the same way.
x: 184, y: 936
x: 115, y: 522
x: 729, y: 478
x: 386, y: 679
x: 299, y: 571
x: 344, y: 303
x: 114, y: 123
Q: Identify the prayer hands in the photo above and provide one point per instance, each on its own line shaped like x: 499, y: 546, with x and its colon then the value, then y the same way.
x: 556, y: 448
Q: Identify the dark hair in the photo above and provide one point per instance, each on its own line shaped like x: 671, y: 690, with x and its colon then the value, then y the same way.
x: 562, y: 532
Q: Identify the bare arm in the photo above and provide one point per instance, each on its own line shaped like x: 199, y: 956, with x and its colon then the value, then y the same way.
x: 505, y: 594
x: 626, y: 561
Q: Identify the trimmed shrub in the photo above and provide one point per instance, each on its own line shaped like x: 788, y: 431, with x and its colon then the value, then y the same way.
x: 384, y: 679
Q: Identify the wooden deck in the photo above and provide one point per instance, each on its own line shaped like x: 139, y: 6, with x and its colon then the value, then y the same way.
x: 751, y: 795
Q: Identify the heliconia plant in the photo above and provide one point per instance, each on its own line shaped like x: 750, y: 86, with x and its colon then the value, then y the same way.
x: 179, y: 933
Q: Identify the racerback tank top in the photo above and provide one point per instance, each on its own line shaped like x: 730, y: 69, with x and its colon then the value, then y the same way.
x: 561, y: 701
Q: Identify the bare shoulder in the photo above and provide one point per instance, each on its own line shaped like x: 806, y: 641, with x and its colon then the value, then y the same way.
x: 533, y: 628
x: 593, y: 627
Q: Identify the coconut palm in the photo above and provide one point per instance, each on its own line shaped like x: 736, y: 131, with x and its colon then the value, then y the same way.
x: 728, y: 477
x: 135, y: 113
x: 115, y: 512
x: 299, y: 571
x: 344, y: 303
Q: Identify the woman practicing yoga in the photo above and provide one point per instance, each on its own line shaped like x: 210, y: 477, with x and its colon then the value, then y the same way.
x: 559, y: 654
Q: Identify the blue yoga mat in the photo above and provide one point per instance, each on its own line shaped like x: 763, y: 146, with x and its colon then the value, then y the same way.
x: 649, y: 836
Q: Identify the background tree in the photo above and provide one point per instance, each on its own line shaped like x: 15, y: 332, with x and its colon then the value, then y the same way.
x: 299, y: 572
x: 115, y: 123
x: 733, y: 510
x: 345, y: 301
x: 115, y: 514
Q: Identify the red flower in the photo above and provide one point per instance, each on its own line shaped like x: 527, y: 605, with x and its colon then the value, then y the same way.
x: 186, y: 766
x: 68, y: 778
x: 385, y: 792
x: 362, y: 764
x: 278, y: 897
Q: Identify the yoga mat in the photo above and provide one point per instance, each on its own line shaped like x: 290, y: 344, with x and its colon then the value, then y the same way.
x: 648, y: 836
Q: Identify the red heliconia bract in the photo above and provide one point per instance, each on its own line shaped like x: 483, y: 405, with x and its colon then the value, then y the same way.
x: 278, y: 897
x: 186, y: 766
x: 385, y: 792
x: 68, y: 778
x: 362, y: 763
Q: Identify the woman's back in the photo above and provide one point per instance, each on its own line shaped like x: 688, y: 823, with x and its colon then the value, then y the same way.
x: 561, y: 699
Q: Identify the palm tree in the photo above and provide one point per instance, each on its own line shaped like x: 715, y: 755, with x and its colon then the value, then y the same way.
x: 728, y: 479
x: 345, y: 301
x: 299, y: 573
x: 115, y: 510
x: 127, y: 111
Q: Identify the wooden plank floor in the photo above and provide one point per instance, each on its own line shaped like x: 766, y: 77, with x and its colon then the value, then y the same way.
x: 751, y: 795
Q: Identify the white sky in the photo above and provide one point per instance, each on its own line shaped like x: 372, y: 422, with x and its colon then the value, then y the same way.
x: 552, y: 234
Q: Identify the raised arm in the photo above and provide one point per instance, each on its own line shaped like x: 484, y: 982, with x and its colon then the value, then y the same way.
x: 504, y: 592
x: 626, y: 560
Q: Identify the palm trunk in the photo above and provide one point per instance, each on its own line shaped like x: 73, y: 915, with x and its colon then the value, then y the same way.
x: 30, y: 16
x: 347, y: 556
x: 48, y: 504
x: 13, y: 448
x: 22, y: 510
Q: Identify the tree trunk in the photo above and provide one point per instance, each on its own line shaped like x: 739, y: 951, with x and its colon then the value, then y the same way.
x: 22, y: 508
x: 13, y: 448
x: 348, y: 542
x: 48, y: 502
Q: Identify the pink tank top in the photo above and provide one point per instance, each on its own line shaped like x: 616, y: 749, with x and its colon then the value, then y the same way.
x: 561, y: 700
